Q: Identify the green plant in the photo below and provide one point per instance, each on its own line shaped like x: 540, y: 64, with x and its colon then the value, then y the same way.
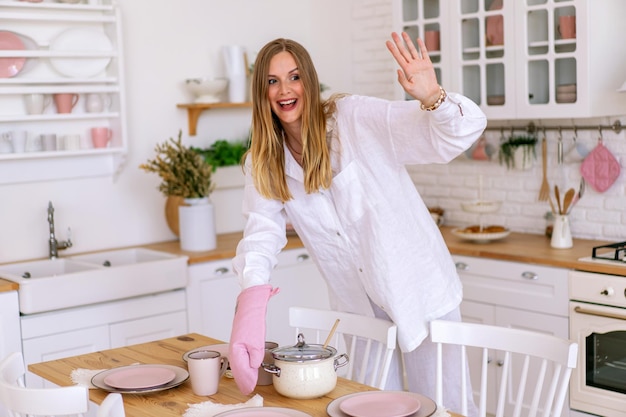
x: 223, y: 153
x: 510, y: 145
x: 184, y: 173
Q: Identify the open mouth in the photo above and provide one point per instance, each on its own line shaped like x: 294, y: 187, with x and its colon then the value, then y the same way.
x: 287, y: 104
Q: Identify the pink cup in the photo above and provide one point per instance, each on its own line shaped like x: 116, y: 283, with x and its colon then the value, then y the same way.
x: 567, y: 27
x: 431, y: 40
x: 65, y: 102
x: 101, y: 136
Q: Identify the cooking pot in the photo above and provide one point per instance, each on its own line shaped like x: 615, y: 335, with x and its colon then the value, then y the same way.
x: 305, y: 371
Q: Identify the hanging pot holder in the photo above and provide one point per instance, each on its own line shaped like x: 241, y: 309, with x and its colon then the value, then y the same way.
x: 600, y: 168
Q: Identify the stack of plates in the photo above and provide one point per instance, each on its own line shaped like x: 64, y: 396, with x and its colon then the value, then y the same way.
x: 566, y: 93
x: 378, y: 403
x: 264, y: 412
x: 140, y: 379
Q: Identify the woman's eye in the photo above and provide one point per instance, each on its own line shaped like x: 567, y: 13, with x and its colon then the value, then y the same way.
x: 271, y: 81
x: 295, y: 77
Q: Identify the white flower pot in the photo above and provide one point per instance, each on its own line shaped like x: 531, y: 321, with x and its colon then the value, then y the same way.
x: 523, y: 158
x: 196, y: 223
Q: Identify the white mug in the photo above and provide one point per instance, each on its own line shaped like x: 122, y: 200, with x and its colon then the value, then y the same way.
x: 49, y: 141
x: 71, y: 142
x: 206, y: 368
x: 18, y: 140
x: 36, y: 103
x: 6, y: 145
x: 96, y: 103
x: 33, y: 143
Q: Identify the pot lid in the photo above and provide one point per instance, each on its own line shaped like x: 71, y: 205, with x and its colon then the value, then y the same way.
x: 302, y: 352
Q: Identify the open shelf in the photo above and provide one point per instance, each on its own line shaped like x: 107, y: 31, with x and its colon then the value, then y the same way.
x: 195, y: 109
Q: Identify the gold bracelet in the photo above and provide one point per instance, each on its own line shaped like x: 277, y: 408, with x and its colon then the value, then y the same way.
x: 440, y: 100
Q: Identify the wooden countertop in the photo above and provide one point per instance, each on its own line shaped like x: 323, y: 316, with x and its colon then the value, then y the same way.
x: 517, y: 247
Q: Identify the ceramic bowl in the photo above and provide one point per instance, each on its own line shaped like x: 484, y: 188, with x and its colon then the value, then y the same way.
x: 495, y: 100
x: 206, y: 90
x: 566, y: 97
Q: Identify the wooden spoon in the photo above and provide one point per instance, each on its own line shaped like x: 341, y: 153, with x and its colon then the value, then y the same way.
x: 557, y: 195
x: 567, y: 200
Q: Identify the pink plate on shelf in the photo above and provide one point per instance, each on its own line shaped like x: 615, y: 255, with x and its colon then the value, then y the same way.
x: 379, y: 403
x: 140, y: 377
x: 10, y: 66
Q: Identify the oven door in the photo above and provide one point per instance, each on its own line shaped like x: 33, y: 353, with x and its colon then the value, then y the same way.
x: 598, y: 383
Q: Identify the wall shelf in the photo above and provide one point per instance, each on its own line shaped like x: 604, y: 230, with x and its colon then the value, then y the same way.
x: 195, y: 109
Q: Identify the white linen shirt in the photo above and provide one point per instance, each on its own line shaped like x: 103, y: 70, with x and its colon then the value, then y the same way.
x: 370, y: 234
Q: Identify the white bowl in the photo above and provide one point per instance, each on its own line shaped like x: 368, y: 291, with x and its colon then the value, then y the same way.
x: 206, y: 90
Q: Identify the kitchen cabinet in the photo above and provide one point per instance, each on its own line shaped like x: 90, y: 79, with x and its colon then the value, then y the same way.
x: 62, y: 48
x: 9, y: 324
x: 213, y: 290
x: 74, y: 331
x: 512, y: 294
x: 511, y: 59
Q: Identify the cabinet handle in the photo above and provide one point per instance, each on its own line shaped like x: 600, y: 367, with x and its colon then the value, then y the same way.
x: 302, y: 257
x: 530, y: 275
x: 500, y: 362
x: 221, y: 271
x: 461, y: 266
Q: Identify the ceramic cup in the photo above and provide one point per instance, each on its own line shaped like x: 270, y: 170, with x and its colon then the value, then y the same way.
x: 206, y: 367
x: 65, y: 102
x: 96, y: 103
x: 34, y: 143
x: 265, y: 378
x: 6, y: 145
x: 567, y: 27
x: 431, y: 40
x: 70, y: 142
x: 18, y: 140
x: 49, y: 141
x: 36, y: 103
x: 101, y: 136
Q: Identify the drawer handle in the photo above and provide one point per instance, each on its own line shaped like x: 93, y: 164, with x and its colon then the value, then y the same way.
x: 221, y: 271
x: 302, y: 257
x: 461, y: 266
x: 530, y: 275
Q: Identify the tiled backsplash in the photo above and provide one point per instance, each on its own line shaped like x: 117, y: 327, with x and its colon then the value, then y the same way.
x: 595, y: 216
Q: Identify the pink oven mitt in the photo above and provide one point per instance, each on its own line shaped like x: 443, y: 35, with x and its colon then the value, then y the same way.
x: 247, y: 339
x: 600, y: 168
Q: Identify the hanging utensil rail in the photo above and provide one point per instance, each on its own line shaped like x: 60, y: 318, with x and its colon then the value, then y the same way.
x: 533, y: 128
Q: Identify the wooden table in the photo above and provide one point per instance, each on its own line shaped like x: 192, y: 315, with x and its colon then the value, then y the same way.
x: 174, y: 402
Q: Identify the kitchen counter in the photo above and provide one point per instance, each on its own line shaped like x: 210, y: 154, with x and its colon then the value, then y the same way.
x: 518, y: 247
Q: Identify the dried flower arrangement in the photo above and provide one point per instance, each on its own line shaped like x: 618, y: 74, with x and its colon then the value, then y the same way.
x: 183, y: 171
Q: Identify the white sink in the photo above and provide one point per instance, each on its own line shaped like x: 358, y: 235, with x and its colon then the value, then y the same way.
x: 53, y: 284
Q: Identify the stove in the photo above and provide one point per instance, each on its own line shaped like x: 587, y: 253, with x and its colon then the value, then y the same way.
x: 613, y: 254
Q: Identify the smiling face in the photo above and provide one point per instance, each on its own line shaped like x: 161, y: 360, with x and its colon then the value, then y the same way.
x: 285, y: 90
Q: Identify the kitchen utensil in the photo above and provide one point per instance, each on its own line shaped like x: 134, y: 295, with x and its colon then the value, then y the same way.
x: 600, y: 168
x: 207, y: 90
x: 561, y: 234
x: 305, y: 371
x: 544, y: 191
x: 567, y: 200
x: 557, y: 196
x: 330, y: 335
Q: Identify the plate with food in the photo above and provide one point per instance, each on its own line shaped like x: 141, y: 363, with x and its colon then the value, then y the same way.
x: 479, y: 233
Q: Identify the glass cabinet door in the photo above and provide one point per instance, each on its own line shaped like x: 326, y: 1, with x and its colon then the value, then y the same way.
x: 424, y: 19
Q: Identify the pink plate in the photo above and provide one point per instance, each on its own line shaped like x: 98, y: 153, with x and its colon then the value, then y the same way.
x: 10, y: 66
x: 380, y: 403
x: 264, y: 412
x: 138, y: 377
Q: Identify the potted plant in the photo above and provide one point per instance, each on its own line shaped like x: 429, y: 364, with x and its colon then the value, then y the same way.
x: 518, y: 151
x: 186, y: 182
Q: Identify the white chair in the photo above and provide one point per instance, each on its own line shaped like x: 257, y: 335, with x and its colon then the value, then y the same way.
x: 112, y: 406
x: 63, y: 401
x: 549, y: 358
x: 378, y: 337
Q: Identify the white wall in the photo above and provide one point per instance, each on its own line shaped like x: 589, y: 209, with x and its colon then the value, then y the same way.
x: 166, y: 42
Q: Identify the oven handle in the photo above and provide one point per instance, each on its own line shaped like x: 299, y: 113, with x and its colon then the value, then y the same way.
x: 582, y: 310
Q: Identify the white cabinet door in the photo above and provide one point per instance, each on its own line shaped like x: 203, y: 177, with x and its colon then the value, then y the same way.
x: 11, y: 339
x: 213, y: 290
x: 148, y: 329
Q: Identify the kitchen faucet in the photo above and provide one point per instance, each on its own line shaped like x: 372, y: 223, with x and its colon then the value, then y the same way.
x: 53, y: 243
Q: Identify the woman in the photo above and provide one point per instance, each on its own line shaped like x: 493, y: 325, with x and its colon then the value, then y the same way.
x: 336, y: 170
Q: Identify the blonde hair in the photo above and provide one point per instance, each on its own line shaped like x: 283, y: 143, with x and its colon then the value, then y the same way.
x: 266, y: 146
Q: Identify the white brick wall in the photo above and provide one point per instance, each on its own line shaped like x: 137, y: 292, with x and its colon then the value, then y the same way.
x: 596, y: 216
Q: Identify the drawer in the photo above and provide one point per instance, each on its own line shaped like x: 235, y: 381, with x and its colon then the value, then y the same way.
x: 512, y: 284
